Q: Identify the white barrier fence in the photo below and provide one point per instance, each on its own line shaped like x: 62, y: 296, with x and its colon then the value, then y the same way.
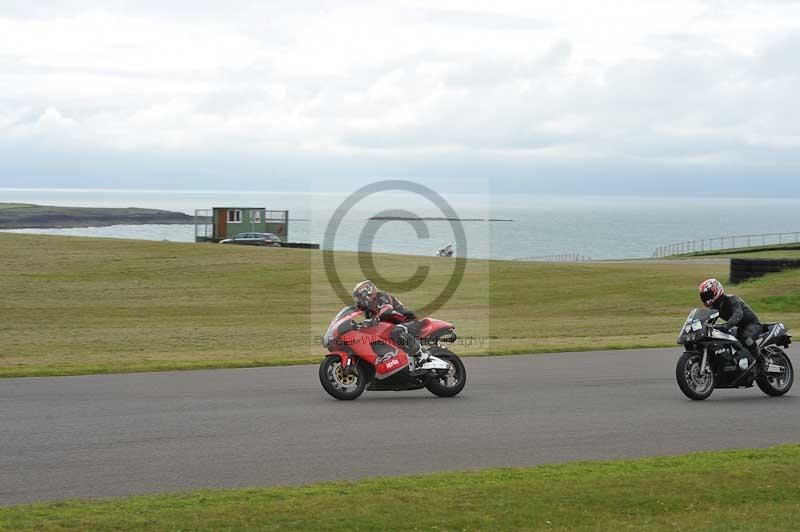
x: 726, y: 242
x: 566, y: 257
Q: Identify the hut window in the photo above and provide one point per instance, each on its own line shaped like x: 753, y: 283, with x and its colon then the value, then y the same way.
x: 234, y: 216
x: 257, y: 217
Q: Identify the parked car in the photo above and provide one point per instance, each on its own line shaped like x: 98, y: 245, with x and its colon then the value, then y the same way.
x: 254, y: 239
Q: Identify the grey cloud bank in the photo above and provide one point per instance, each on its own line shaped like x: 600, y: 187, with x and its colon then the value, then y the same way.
x: 630, y: 97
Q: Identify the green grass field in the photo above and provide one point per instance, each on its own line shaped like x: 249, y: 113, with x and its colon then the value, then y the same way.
x: 754, y: 490
x: 80, y: 305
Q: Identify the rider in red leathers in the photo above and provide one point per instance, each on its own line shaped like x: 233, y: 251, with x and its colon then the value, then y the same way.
x: 380, y: 306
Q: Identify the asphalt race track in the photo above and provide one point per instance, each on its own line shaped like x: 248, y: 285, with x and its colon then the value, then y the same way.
x: 112, y: 435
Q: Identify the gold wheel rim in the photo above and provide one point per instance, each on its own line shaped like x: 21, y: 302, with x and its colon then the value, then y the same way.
x: 342, y: 377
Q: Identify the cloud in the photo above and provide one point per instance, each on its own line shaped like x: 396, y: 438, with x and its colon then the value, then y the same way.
x: 351, y: 88
x: 485, y: 19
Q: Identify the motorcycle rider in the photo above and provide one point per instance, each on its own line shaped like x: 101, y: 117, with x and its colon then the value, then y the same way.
x: 446, y: 251
x: 380, y: 306
x: 736, y: 313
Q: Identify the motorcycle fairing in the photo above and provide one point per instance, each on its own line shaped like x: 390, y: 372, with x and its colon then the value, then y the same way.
x: 719, y: 335
x: 775, y: 333
x: 340, y: 325
x: 432, y: 328
x: 435, y: 363
x: 391, y: 365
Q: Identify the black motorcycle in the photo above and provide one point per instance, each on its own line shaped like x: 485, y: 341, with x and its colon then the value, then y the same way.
x: 716, y: 359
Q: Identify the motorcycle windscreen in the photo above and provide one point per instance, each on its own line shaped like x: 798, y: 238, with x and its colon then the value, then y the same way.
x: 694, y: 328
x: 700, y: 315
x: 328, y: 339
x: 705, y: 314
x: 390, y: 366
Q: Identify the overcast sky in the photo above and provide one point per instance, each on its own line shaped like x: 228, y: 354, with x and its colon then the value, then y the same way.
x: 591, y: 97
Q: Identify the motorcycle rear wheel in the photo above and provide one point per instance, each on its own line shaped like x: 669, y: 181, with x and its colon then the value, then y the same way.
x: 773, y: 385
x: 340, y: 384
x: 692, y: 383
x: 451, y: 383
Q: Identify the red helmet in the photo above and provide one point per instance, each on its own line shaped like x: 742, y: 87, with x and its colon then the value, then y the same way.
x: 710, y: 291
x: 364, y: 293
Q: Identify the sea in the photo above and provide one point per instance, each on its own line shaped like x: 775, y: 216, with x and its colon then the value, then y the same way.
x: 493, y: 225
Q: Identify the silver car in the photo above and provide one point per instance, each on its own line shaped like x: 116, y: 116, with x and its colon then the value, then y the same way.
x: 254, y: 239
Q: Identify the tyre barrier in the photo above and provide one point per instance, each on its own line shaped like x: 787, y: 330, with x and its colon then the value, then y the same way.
x: 744, y: 269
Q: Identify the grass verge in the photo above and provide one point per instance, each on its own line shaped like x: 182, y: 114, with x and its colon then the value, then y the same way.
x: 74, y: 305
x: 722, y: 491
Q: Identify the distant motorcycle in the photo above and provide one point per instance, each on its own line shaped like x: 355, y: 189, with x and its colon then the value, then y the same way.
x: 365, y: 358
x: 445, y: 252
x: 714, y: 359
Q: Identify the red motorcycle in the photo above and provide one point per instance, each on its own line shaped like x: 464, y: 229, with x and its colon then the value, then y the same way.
x: 365, y: 358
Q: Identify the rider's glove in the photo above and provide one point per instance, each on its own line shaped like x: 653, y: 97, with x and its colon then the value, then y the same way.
x: 723, y: 328
x: 370, y: 322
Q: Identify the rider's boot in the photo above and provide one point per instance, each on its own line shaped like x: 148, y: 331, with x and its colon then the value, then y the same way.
x: 754, y: 355
x: 750, y: 357
x: 418, y: 356
x: 422, y: 354
x: 416, y: 351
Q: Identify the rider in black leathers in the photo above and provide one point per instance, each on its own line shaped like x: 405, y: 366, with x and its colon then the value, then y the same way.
x: 736, y: 313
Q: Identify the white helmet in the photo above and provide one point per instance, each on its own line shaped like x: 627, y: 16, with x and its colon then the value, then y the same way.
x: 710, y: 291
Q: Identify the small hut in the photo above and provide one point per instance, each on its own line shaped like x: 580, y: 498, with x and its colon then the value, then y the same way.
x: 220, y: 223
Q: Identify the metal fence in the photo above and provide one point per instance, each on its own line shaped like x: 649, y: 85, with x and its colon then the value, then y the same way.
x: 203, y: 225
x: 277, y: 223
x: 726, y: 243
x: 567, y: 257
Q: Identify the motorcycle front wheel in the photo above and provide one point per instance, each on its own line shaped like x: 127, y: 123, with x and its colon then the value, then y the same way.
x: 694, y: 384
x: 340, y: 384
